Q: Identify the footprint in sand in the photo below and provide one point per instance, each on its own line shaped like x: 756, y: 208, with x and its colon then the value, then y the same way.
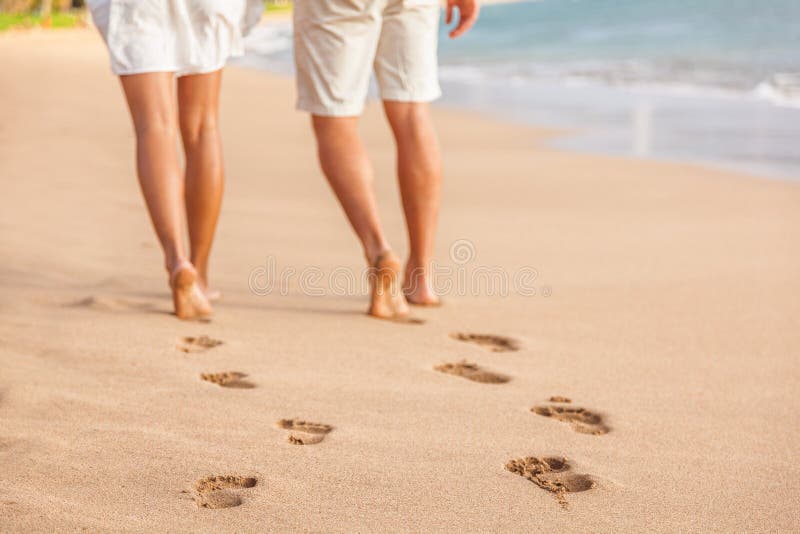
x: 582, y: 420
x: 219, y: 491
x: 551, y: 473
x: 303, y: 432
x: 488, y: 341
x: 473, y: 372
x: 197, y: 344
x: 228, y: 379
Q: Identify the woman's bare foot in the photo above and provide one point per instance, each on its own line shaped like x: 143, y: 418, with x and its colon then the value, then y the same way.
x: 202, y: 281
x: 417, y: 287
x: 212, y: 294
x: 388, y: 301
x: 189, y: 300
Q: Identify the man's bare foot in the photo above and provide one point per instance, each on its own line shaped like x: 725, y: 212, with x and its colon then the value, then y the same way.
x: 417, y: 287
x: 388, y: 302
x: 189, y: 300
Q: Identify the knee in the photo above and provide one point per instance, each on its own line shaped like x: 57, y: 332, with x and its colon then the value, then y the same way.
x: 335, y: 131
x: 411, y: 122
x: 197, y: 127
x: 156, y: 124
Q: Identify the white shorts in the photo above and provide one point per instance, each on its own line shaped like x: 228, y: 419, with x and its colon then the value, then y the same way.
x: 181, y: 36
x: 338, y: 43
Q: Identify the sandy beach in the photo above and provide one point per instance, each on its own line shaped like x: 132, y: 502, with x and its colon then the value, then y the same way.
x: 666, y: 306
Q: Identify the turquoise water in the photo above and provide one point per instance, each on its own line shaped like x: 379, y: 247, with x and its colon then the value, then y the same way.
x: 709, y: 81
x: 737, y: 46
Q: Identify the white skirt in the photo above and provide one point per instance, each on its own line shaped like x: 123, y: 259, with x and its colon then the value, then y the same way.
x: 180, y: 36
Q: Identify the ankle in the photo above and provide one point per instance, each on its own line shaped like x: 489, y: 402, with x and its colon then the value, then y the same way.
x: 172, y: 264
x: 417, y: 268
x: 175, y: 263
x: 202, y: 275
x: 174, y: 256
x: 373, y: 253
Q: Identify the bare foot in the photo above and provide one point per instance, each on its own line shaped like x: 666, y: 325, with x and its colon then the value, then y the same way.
x: 189, y: 300
x: 387, y: 301
x: 210, y: 293
x: 417, y: 287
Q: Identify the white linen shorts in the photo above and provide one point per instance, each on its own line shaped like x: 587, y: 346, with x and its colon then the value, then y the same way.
x: 338, y: 43
x: 180, y: 36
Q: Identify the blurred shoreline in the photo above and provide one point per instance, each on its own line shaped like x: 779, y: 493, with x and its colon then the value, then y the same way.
x: 627, y: 107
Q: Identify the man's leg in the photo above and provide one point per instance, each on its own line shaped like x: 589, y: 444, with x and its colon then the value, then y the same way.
x: 420, y: 176
x: 346, y: 166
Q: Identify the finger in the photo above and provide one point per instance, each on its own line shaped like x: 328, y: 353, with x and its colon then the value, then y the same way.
x: 465, y: 22
x: 449, y: 15
x: 454, y: 32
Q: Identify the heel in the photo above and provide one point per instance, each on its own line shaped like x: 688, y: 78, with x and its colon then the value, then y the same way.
x: 183, y: 276
x: 188, y: 300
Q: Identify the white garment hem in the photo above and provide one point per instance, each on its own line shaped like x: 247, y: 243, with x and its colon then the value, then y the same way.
x: 411, y: 96
x: 175, y: 70
x: 353, y: 110
x: 330, y: 111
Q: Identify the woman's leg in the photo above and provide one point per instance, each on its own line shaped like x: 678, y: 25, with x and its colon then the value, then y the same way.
x: 345, y: 163
x: 198, y: 105
x: 150, y: 100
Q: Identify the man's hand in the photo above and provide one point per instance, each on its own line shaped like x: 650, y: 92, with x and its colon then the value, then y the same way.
x: 467, y: 15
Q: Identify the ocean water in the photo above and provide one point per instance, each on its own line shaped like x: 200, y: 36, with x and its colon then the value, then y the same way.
x: 720, y: 46
x: 711, y: 81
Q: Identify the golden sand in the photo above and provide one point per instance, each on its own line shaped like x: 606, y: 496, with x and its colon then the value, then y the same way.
x: 666, y: 305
